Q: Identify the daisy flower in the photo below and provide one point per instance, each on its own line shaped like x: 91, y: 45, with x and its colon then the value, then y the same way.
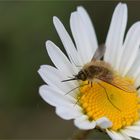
x: 88, y: 105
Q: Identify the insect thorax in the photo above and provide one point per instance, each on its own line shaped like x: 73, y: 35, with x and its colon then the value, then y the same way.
x: 98, y: 71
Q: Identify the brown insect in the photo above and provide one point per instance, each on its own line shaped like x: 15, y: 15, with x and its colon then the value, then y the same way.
x: 98, y: 70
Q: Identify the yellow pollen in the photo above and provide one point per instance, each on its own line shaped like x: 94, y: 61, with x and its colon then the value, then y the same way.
x: 119, y: 106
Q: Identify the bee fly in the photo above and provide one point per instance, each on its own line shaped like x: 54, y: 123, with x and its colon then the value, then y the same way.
x: 98, y: 70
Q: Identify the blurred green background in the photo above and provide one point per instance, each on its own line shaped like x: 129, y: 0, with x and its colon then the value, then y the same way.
x: 24, y: 28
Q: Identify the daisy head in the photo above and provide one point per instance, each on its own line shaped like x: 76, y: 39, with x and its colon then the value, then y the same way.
x: 96, y: 86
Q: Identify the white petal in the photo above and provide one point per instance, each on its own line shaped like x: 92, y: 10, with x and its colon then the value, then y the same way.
x: 115, y: 136
x: 137, y: 81
x: 137, y: 123
x: 67, y: 42
x: 115, y: 35
x: 54, y: 97
x: 54, y: 77
x: 104, y: 123
x: 82, y: 35
x: 90, y: 29
x: 133, y: 131
x: 59, y: 59
x: 135, y: 69
x: 126, y: 136
x: 130, y: 48
x: 82, y: 122
x: 68, y: 113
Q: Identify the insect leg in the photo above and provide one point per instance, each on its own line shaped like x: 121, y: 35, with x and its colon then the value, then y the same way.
x: 77, y: 101
x: 108, y: 96
x: 90, y: 82
x: 76, y: 88
x: 138, y: 87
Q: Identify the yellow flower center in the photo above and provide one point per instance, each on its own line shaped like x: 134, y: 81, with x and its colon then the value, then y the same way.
x: 119, y: 106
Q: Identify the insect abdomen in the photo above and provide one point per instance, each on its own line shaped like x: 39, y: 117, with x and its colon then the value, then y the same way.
x: 98, y: 72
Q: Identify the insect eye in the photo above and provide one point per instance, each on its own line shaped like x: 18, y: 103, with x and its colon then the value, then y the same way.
x: 81, y: 75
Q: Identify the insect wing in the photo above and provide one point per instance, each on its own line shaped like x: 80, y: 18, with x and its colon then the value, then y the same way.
x: 99, y: 52
x: 120, y: 83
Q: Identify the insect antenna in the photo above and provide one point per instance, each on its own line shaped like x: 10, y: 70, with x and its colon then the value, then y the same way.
x: 108, y: 96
